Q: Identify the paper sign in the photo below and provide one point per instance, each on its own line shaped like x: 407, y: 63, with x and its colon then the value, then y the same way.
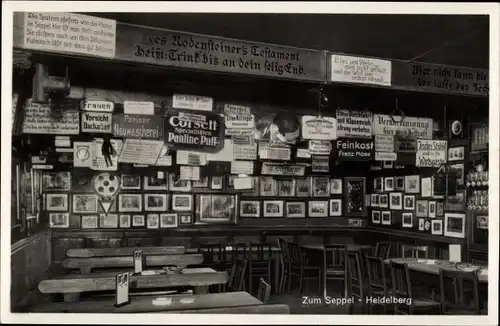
x: 122, y: 289
x: 237, y: 109
x: 165, y: 160
x: 98, y: 162
x: 243, y: 140
x: 354, y: 149
x: 321, y: 128
x: 98, y: 106
x: 354, y: 124
x: 191, y: 158
x: 359, y: 70
x: 141, y: 108
x: 384, y: 143
x: 408, y: 127
x: 138, y: 259
x: 385, y: 156
x: 64, y: 150
x: 455, y: 253
x: 431, y: 153
x: 245, y: 152
x: 67, y: 32
x: 42, y: 167
x: 405, y: 145
x: 138, y: 126
x: 274, y: 153
x: 303, y: 153
x: 97, y: 122
x: 243, y: 121
x: 41, y: 119
x: 269, y: 168
x: 320, y: 147
x: 192, y: 102
x: 82, y: 154
x: 320, y: 163
x: 225, y: 155
x: 62, y: 141
x: 243, y: 183
x: 141, y: 151
x: 239, y: 132
x: 242, y: 167
x: 190, y: 173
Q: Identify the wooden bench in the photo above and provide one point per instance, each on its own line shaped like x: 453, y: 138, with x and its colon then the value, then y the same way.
x: 124, y: 251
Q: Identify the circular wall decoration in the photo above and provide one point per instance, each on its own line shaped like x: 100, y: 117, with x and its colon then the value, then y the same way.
x: 106, y: 184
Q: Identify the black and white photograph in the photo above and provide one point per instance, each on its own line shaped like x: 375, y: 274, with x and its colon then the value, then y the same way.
x: 317, y: 208
x: 389, y: 184
x: 155, y: 183
x: 131, y: 182
x: 286, y: 188
x: 175, y: 183
x: 432, y: 209
x: 155, y: 202
x: 168, y: 220
x: 482, y: 222
x: 422, y: 208
x: 273, y: 208
x: 83, y: 203
x: 152, y: 221
x: 456, y: 154
x: 412, y: 184
x: 421, y: 224
x: 321, y: 187
x: 456, y: 202
x: 90, y: 222
x: 408, y: 203
x: 437, y: 227
x: 426, y: 187
x: 59, y: 220
x: 335, y: 207
x: 268, y: 187
x: 303, y: 187
x: 108, y: 221
x: 182, y: 202
x: 378, y: 185
x: 56, y: 181
x: 454, y: 225
x: 376, y: 217
x: 375, y: 200
x: 223, y: 208
x: 388, y: 164
x: 407, y: 220
x: 399, y: 183
x: 138, y: 220
x: 125, y: 221
x: 460, y: 172
x: 249, y: 208
x: 57, y: 202
x: 383, y: 201
x: 295, y: 209
x: 185, y: 218
x: 396, y: 200
x: 202, y: 183
x: 386, y: 218
x: 336, y: 186
x: 216, y: 182
x: 439, y: 209
x: 129, y: 202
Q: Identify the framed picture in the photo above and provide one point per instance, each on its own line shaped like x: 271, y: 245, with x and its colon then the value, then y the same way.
x: 454, y: 225
x: 388, y: 164
x: 409, y: 202
x: 427, y: 225
x: 273, y: 208
x: 249, y: 208
x: 457, y: 202
x: 355, y: 189
x: 396, y: 200
x: 318, y: 208
x: 155, y: 183
x: 456, y: 154
x: 155, y: 202
x: 109, y: 221
x: 217, y: 208
x: 412, y: 184
x: 295, y: 209
x: 426, y: 187
x: 432, y: 209
x: 185, y: 218
x: 303, y: 187
x: 376, y: 217
x: 153, y: 221
x: 124, y: 221
x: 336, y: 186
x: 138, y: 220
x: 386, y: 218
x: 56, y: 181
x: 375, y: 200
x: 131, y: 182
x: 399, y: 183
x: 407, y: 220
x: 216, y: 183
x: 459, y: 170
x: 389, y: 184
x: 383, y: 201
x: 255, y: 190
x: 321, y: 187
x: 421, y: 224
x: 202, y: 183
x: 177, y: 184
x: 85, y: 204
x: 482, y: 222
x: 89, y: 222
x: 168, y: 220
x: 286, y: 188
x: 129, y: 202
x: 437, y: 227
x: 59, y: 220
x: 422, y: 208
x: 57, y: 203
x: 335, y: 207
x: 378, y: 184
x: 182, y: 202
x: 439, y: 209
x: 268, y: 187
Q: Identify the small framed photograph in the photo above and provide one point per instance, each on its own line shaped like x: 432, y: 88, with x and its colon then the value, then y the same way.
x: 131, y: 182
x: 457, y: 202
x: 439, y: 209
x: 273, y: 208
x: 90, y: 222
x: 303, y: 187
x: 216, y: 183
x: 109, y: 221
x: 376, y: 217
x: 84, y: 204
x: 124, y: 221
x: 155, y: 202
x: 57, y: 203
x: 421, y: 224
x: 482, y: 222
x: 432, y: 209
x: 286, y: 188
x: 437, y: 227
x: 375, y: 200
x: 153, y: 221
x: 386, y: 218
x: 155, y: 183
x: 378, y: 185
x: 318, y: 208
x: 168, y: 220
x: 399, y: 183
x: 454, y: 225
x: 422, y: 208
x: 56, y: 181
x: 409, y: 203
x: 129, y: 202
x: 459, y: 169
x: 177, y: 184
x: 456, y: 154
x: 295, y: 209
x: 388, y: 164
x: 412, y: 184
x: 249, y: 208
x: 185, y: 218
x: 138, y: 220
x: 383, y: 201
x: 396, y: 200
x: 202, y: 183
x: 223, y: 208
x: 389, y: 184
x: 321, y: 187
x: 182, y: 202
x: 336, y: 186
x: 407, y: 220
x: 268, y: 187
x: 335, y: 207
x: 59, y: 220
x: 426, y: 187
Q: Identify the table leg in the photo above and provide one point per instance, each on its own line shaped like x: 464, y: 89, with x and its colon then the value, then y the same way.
x: 277, y: 281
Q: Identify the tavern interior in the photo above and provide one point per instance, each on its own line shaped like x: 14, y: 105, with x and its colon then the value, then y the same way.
x: 255, y: 263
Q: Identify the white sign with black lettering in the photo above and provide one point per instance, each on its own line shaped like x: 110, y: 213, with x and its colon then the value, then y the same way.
x: 97, y: 122
x: 384, y: 143
x: 274, y: 153
x: 242, y: 167
x: 354, y: 124
x: 303, y: 153
x: 320, y: 147
x: 141, y: 151
x: 406, y: 127
x: 98, y: 161
x: 245, y: 152
x: 321, y: 128
x: 190, y: 172
x: 349, y: 69
x: 135, y: 107
x: 98, y: 106
x: 192, y: 102
x: 82, y: 154
x: 385, y: 156
x: 41, y: 119
x: 431, y: 153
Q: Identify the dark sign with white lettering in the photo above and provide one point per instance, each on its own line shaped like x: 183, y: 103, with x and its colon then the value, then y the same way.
x: 349, y: 149
x: 194, y: 130
x: 139, y: 126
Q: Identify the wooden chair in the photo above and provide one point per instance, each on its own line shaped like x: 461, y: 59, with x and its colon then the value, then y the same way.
x: 454, y: 297
x: 377, y: 280
x: 264, y: 292
x: 259, y: 262
x: 284, y: 263
x: 237, y: 277
x: 414, y: 251
x: 298, y: 267
x: 402, y: 288
x: 334, y: 267
x: 383, y: 250
x: 356, y: 287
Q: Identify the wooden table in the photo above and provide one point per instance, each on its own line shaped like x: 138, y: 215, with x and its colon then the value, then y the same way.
x: 145, y: 304
x: 350, y: 247
x: 123, y: 251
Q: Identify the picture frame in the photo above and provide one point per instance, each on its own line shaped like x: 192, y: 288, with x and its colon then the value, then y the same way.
x: 303, y: 187
x: 409, y: 203
x: 335, y: 186
x: 320, y: 186
x: 459, y: 169
x: 427, y: 225
x: 396, y: 200
x: 85, y: 203
x: 89, y: 222
x: 185, y: 219
x: 216, y: 183
x: 375, y: 200
x: 125, y: 221
x: 202, y: 183
x: 249, y: 208
x: 57, y: 202
x: 175, y: 183
x: 59, y: 220
x: 378, y: 185
x: 109, y: 221
x: 421, y: 224
x: 355, y: 189
x: 376, y: 219
x: 295, y: 209
x: 335, y: 207
x: 389, y: 184
x: 152, y: 221
x: 426, y: 187
x: 482, y: 222
x: 169, y: 220
x: 56, y: 181
x: 432, y: 209
x: 318, y: 208
x: 155, y: 183
x: 286, y: 188
x: 138, y: 220
x: 437, y: 227
x: 454, y: 225
x: 386, y: 218
x: 407, y: 220
x: 268, y: 187
x: 388, y: 164
x: 217, y: 208
x: 383, y: 201
x: 130, y: 203
x: 456, y: 202
x: 439, y: 209
x: 255, y: 191
x: 399, y: 183
x: 155, y: 202
x: 182, y: 202
x: 456, y: 154
x: 130, y: 182
x: 422, y: 208
x: 272, y: 208
x: 412, y: 184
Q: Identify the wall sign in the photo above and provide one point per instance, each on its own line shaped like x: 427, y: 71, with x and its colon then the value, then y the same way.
x: 405, y: 145
x: 239, y: 117
x: 139, y: 107
x: 320, y: 147
x: 385, y: 156
x: 269, y: 168
x: 192, y: 102
x: 98, y: 106
x: 97, y: 122
x: 354, y: 124
x: 82, y: 154
x: 141, y: 151
x: 267, y: 152
x: 402, y: 126
x: 41, y: 119
x: 303, y: 153
x: 431, y: 153
x: 320, y: 128
x: 138, y: 126
x: 98, y: 162
x: 205, y: 133
x: 320, y: 163
x: 239, y: 132
x: 384, y: 143
x: 354, y: 149
x: 348, y: 69
x: 245, y: 152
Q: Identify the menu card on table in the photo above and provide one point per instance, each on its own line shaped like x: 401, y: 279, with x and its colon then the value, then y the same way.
x: 138, y: 258
x: 122, y: 287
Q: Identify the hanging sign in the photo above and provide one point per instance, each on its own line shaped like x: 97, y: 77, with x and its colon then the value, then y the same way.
x: 138, y: 126
x: 82, y: 154
x: 141, y: 151
x: 320, y: 147
x: 139, y: 107
x: 405, y: 145
x: 205, y: 134
x: 192, y: 102
x: 354, y: 124
x: 245, y: 152
x: 321, y: 128
x: 409, y: 127
x: 98, y: 161
x: 354, y: 149
x: 431, y: 153
x: 269, y: 168
x: 97, y: 122
x: 384, y: 143
x: 385, y: 156
x: 360, y: 70
x: 98, y: 106
x: 238, y: 117
x: 267, y: 152
x: 41, y: 119
x: 320, y: 163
